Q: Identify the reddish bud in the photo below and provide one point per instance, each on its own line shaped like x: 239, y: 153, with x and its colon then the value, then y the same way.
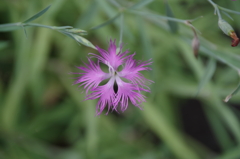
x: 195, y: 45
x: 235, y: 40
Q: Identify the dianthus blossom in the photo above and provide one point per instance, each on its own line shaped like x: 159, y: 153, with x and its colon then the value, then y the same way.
x: 124, y: 81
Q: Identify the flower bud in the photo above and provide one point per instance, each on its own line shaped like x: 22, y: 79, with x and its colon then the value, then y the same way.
x: 225, y: 27
x: 235, y: 40
x: 228, y: 30
x: 195, y: 40
x: 195, y: 45
x: 76, y: 31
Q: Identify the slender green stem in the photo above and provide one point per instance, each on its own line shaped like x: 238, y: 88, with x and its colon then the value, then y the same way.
x: 213, y: 100
x: 10, y: 24
x: 216, y: 8
x: 37, y: 25
x: 46, y: 26
x: 10, y: 27
x: 158, y: 16
x: 121, y: 28
x: 19, y: 25
x: 218, y: 12
x: 228, y: 10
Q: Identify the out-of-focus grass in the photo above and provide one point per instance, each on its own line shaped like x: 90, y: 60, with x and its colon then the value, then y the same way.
x: 43, y: 116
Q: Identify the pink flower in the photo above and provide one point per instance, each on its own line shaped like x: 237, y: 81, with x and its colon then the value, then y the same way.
x: 121, y: 87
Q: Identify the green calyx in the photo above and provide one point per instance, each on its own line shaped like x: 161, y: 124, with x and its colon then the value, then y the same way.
x: 225, y: 27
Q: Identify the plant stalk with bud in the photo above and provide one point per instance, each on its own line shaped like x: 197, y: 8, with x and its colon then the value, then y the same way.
x: 225, y: 26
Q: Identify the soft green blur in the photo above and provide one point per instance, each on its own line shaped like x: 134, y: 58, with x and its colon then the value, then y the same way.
x: 44, y: 116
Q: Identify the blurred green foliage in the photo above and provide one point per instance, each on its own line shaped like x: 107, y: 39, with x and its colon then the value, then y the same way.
x: 44, y: 117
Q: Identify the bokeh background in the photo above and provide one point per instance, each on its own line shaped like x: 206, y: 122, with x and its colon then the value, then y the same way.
x: 44, y: 116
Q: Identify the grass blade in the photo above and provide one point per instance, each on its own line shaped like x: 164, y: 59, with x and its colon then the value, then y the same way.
x: 107, y: 22
x: 218, y: 127
x: 207, y: 74
x: 173, y: 25
x: 141, y: 4
x: 37, y: 15
x: 170, y: 135
x: 229, y: 59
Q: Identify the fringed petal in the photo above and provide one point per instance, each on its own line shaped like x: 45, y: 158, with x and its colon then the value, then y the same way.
x: 106, y: 96
x: 92, y: 76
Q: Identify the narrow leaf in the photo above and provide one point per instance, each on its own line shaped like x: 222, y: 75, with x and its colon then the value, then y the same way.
x: 233, y: 93
x: 141, y: 4
x: 227, y: 15
x: 107, y: 22
x: 172, y: 24
x: 228, y: 10
x: 25, y: 32
x: 215, y: 11
x: 37, y: 15
x: 10, y: 27
x: 207, y: 74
